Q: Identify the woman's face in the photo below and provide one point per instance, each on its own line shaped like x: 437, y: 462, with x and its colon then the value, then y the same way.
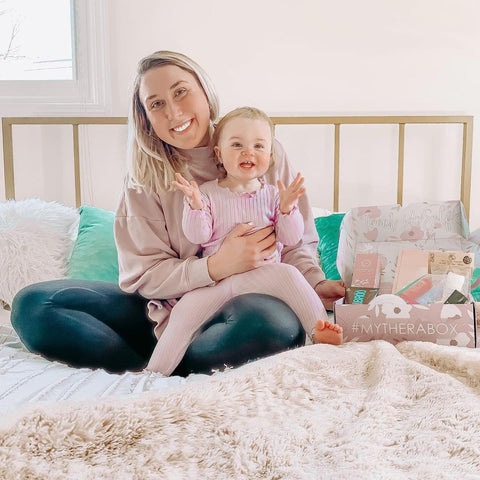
x: 176, y: 106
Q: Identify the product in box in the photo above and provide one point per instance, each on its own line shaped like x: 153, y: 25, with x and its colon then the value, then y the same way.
x: 415, y: 290
x: 435, y: 288
x: 456, y: 262
x: 455, y: 282
x: 360, y: 294
x: 411, y: 265
x: 366, y: 270
x: 456, y: 297
x: 459, y: 263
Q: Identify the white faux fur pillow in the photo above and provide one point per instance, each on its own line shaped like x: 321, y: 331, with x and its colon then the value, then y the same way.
x: 36, y: 238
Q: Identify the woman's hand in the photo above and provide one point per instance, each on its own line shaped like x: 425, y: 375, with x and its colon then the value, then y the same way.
x: 241, y: 252
x: 329, y: 291
x: 289, y: 195
x: 190, y: 190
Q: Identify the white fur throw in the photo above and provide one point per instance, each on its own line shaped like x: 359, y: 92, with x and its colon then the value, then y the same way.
x: 359, y: 411
x: 36, y: 238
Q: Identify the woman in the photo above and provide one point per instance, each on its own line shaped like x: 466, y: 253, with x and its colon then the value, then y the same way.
x: 93, y: 324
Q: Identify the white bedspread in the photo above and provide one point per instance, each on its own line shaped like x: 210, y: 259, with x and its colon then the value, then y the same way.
x: 26, y: 378
x: 358, y: 411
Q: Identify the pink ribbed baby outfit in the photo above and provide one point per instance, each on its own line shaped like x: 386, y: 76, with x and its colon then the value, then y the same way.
x: 208, y: 227
x: 223, y: 210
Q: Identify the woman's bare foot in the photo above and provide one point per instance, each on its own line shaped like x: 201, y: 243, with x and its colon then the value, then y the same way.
x: 327, y: 332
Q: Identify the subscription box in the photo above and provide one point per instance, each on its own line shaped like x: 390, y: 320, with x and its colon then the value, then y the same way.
x: 389, y: 317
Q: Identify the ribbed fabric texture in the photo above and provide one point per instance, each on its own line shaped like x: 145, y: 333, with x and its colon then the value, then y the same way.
x: 196, y: 307
x: 223, y: 210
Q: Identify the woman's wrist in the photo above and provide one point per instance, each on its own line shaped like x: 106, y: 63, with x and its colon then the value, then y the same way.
x: 214, y: 268
x: 318, y: 285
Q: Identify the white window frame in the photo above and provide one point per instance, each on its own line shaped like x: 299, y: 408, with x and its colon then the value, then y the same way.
x: 87, y: 93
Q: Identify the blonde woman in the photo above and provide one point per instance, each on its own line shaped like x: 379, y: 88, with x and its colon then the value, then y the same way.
x: 94, y: 324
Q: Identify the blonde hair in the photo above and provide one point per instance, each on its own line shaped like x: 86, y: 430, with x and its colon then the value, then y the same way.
x: 152, y: 163
x: 251, y: 113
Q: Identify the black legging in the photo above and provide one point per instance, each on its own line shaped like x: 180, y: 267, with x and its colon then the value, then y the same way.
x: 95, y: 324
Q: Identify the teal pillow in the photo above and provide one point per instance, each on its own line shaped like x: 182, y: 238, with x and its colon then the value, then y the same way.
x: 94, y: 255
x: 328, y: 229
x: 476, y: 285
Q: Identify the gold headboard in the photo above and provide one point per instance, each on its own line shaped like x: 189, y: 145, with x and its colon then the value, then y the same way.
x: 401, y: 121
x: 9, y: 122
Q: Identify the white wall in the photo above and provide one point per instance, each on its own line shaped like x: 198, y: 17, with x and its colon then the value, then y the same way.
x: 314, y: 57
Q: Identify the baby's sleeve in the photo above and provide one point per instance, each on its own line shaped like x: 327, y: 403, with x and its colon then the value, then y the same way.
x: 197, y: 224
x: 289, y: 227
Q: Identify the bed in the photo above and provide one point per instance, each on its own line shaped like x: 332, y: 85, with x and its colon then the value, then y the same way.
x: 361, y: 410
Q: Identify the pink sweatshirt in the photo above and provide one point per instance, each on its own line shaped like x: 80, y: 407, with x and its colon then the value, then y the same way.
x: 159, y: 262
x: 223, y: 210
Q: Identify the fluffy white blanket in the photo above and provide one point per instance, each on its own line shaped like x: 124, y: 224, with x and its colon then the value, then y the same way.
x: 362, y: 410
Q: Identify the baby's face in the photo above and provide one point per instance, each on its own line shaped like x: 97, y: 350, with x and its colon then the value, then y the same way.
x: 245, y: 148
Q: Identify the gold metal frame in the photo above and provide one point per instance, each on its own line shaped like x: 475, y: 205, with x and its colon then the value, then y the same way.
x: 401, y: 121
x: 7, y: 127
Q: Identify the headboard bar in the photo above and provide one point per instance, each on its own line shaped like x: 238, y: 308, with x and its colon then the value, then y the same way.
x: 401, y: 121
x: 336, y: 168
x: 401, y: 159
x: 76, y: 165
x: 7, y: 127
x: 369, y: 119
x: 8, y: 158
x: 466, y: 179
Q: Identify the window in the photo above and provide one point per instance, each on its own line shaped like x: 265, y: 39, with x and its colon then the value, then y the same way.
x: 31, y: 50
x: 52, y: 57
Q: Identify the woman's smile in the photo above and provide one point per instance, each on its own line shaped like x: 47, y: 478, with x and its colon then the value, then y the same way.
x: 183, y: 127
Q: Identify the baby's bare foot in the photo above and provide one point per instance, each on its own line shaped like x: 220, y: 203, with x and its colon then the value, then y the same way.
x: 327, y: 332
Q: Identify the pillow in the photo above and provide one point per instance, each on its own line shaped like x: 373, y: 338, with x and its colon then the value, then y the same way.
x: 476, y: 284
x: 36, y: 238
x: 94, y: 255
x: 328, y: 229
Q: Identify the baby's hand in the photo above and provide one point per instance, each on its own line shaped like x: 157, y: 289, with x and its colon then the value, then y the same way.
x: 190, y: 190
x: 290, y: 195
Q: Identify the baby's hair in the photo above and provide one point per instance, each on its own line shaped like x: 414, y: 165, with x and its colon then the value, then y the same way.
x: 152, y: 163
x: 251, y: 113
